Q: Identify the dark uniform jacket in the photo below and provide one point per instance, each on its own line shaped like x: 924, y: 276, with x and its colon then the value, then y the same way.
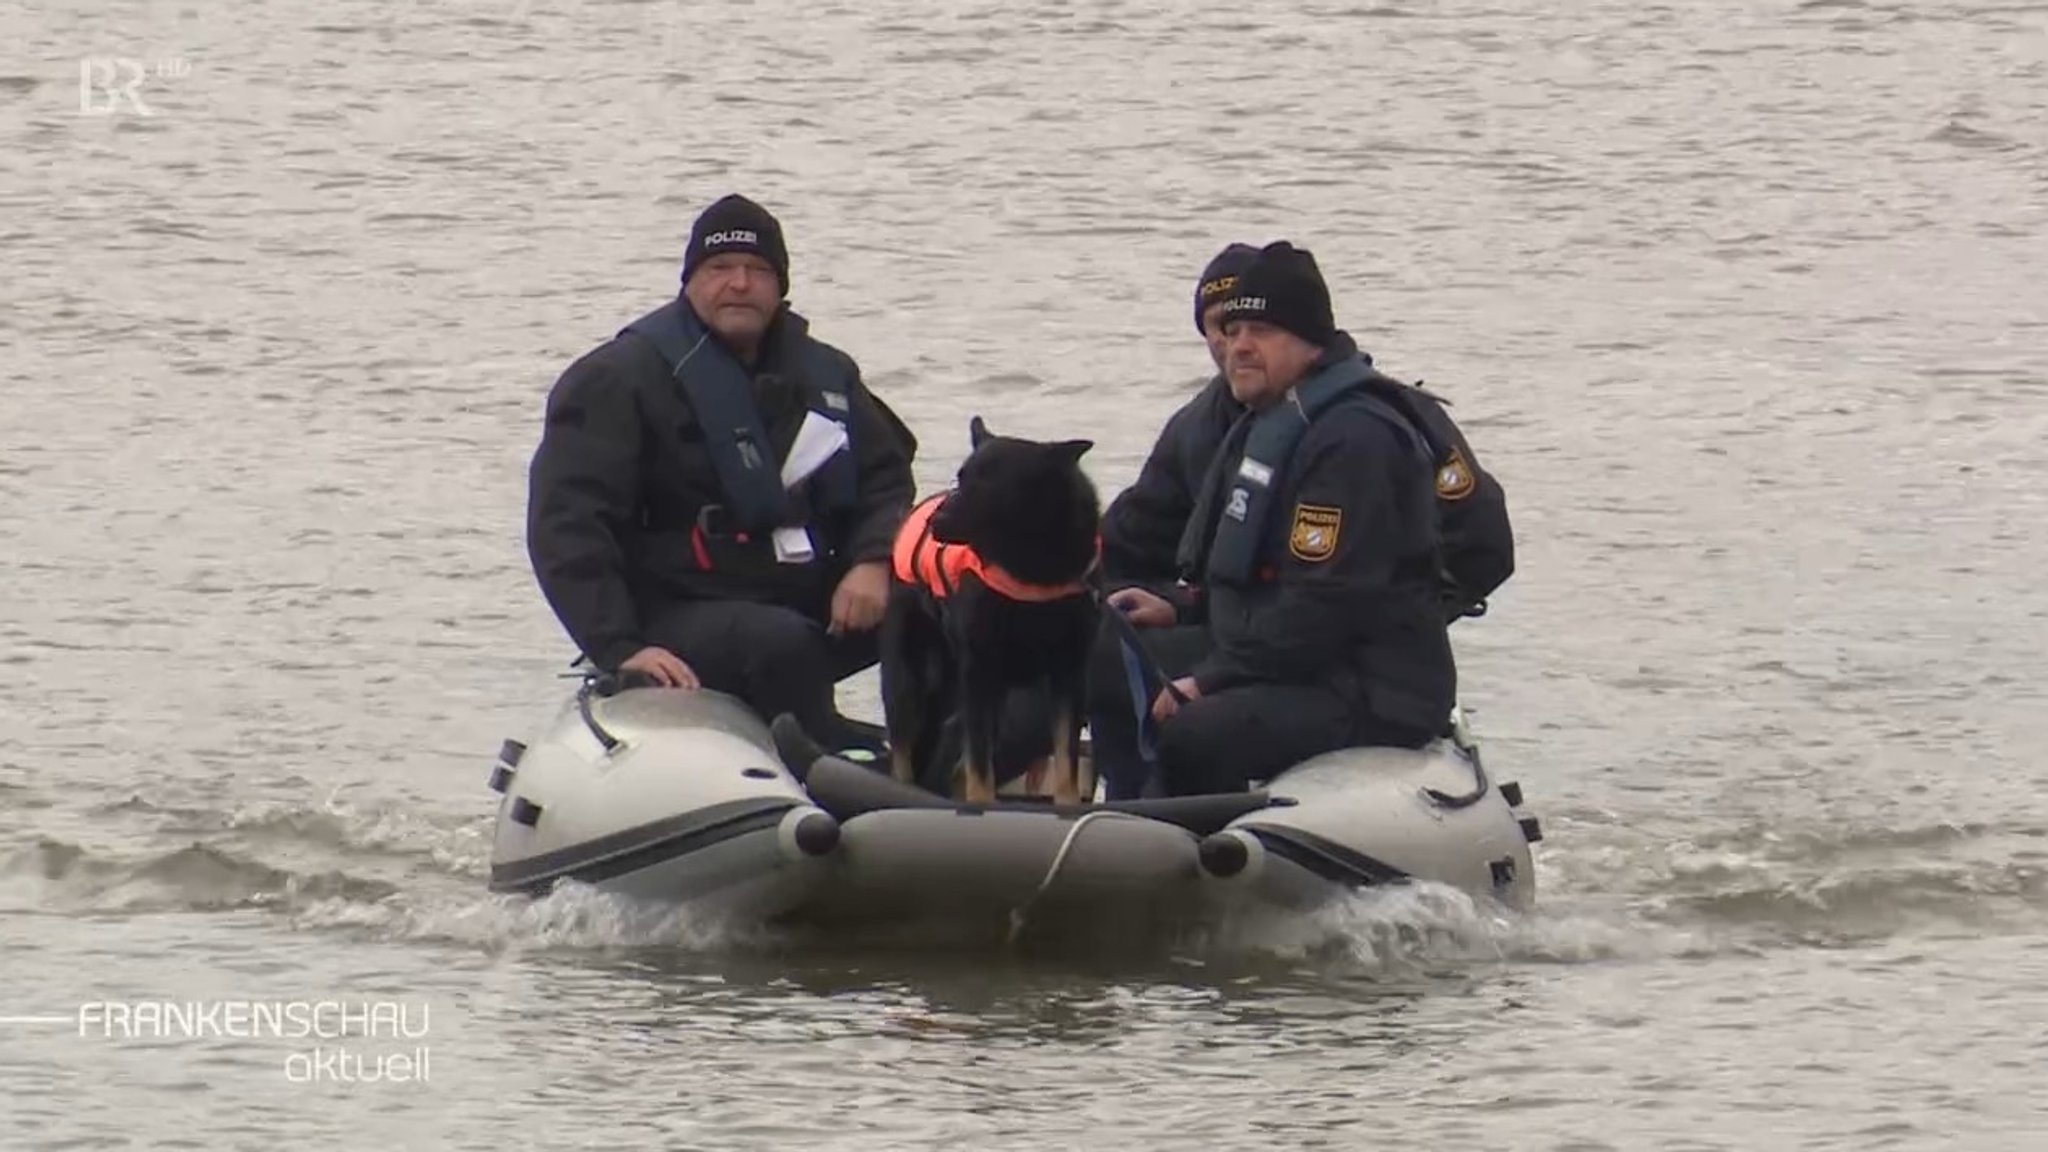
x: 1345, y: 588
x: 617, y: 519
x: 1144, y: 522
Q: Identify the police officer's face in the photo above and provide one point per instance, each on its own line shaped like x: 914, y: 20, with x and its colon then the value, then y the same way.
x: 1264, y: 361
x: 735, y: 294
x: 1212, y: 331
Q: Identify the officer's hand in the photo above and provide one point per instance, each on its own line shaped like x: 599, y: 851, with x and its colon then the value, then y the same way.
x: 1164, y: 705
x: 1143, y: 609
x: 862, y: 597
x: 663, y: 665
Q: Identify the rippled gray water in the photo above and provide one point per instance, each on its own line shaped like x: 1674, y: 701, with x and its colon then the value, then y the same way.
x: 1741, y: 300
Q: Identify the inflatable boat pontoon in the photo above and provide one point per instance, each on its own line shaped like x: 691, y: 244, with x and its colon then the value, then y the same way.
x: 687, y: 796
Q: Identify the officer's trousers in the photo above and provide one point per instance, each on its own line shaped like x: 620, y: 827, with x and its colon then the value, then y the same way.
x: 1217, y: 743
x: 1224, y: 742
x: 775, y: 658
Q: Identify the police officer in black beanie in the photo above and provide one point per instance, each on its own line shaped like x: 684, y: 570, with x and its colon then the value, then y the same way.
x: 1143, y: 526
x: 1310, y: 562
x: 660, y: 525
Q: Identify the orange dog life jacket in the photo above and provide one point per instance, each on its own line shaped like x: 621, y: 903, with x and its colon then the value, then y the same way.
x: 937, y: 567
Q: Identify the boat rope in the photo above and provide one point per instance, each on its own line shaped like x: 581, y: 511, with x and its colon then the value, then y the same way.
x: 1059, y: 858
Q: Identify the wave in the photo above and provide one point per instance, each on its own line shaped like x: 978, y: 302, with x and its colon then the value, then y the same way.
x: 1607, y: 891
x: 1832, y: 885
x: 60, y: 876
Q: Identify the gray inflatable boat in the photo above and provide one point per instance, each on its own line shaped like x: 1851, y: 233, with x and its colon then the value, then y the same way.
x: 689, y: 797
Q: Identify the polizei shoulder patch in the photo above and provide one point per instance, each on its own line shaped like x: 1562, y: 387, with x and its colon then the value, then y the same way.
x: 1314, y: 535
x: 1454, y: 481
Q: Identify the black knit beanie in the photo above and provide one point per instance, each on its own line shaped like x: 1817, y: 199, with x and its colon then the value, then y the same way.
x: 1219, y: 277
x: 737, y: 224
x: 1284, y: 288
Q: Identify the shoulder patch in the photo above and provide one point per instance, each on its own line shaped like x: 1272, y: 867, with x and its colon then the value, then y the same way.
x: 1314, y: 535
x: 1454, y: 478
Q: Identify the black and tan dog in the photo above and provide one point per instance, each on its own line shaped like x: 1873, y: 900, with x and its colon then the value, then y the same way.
x: 991, y: 593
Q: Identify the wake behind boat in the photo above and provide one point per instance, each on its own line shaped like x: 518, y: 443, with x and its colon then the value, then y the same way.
x: 689, y: 797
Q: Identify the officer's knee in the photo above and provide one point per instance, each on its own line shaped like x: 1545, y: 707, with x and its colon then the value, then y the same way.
x: 1196, y: 750
x: 780, y: 643
x: 1190, y: 731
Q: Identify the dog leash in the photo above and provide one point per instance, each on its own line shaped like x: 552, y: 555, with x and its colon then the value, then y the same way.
x: 1138, y: 664
x: 1137, y: 659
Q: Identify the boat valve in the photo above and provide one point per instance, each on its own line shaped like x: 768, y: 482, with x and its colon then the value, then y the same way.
x: 1231, y: 854
x: 807, y: 832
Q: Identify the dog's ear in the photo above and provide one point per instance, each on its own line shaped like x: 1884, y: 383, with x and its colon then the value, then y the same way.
x: 976, y: 432
x: 1071, y: 450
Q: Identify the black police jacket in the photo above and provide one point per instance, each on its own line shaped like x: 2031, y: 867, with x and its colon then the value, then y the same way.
x: 623, y: 496
x: 1143, y: 523
x: 1343, y: 587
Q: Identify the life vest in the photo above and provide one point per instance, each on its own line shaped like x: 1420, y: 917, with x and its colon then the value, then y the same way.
x: 1227, y: 548
x: 722, y: 398
x: 921, y: 560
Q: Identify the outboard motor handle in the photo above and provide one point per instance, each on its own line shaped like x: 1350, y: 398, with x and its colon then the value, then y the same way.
x: 1461, y: 738
x: 583, y: 695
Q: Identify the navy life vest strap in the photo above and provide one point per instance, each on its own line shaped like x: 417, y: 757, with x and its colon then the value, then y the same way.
x: 722, y: 398
x: 1247, y: 506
